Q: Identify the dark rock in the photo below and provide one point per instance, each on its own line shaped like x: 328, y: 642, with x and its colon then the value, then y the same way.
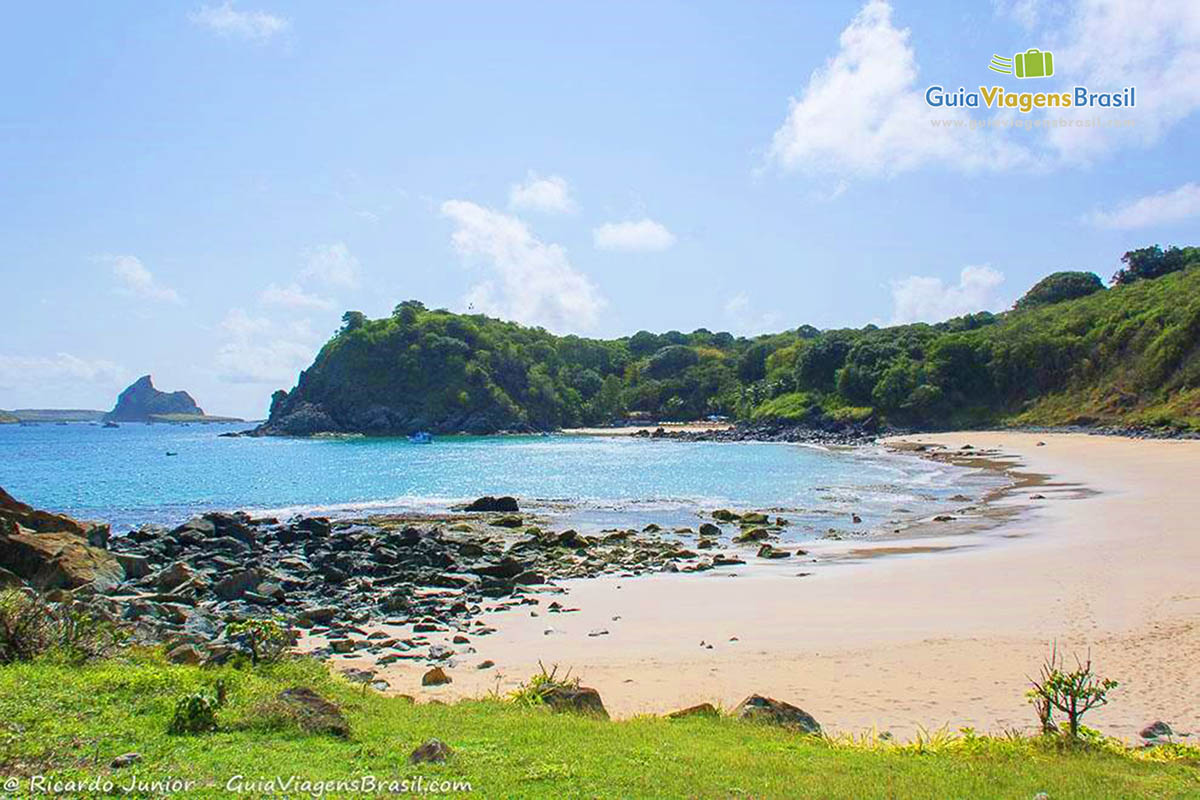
x: 1156, y: 730
x: 488, y: 503
x: 56, y: 559
x: 701, y: 710
x: 767, y: 551
x: 435, y: 677
x: 485, y: 664
x: 581, y: 699
x: 752, y: 535
x: 135, y: 566
x: 434, y: 751
x: 185, y: 654
x: 234, y: 586
x: 315, y: 713
x: 126, y: 760
x: 510, y: 521
x: 708, y: 529
x: 767, y: 709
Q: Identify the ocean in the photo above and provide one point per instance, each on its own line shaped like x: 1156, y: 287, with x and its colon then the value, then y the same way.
x: 125, y: 476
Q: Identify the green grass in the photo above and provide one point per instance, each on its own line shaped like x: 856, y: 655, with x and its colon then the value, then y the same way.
x: 71, y: 721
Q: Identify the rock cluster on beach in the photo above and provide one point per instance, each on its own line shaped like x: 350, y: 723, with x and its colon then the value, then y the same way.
x: 828, y: 432
x: 182, y: 585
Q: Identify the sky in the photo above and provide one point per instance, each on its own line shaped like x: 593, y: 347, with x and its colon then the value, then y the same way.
x: 199, y: 190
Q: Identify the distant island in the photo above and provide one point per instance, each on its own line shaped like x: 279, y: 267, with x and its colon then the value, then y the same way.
x: 1070, y: 352
x: 141, y: 402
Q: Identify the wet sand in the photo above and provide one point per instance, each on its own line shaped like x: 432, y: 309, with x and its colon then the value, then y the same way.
x: 933, y: 631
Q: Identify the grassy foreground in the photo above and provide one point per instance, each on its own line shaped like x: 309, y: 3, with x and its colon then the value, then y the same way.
x: 70, y: 722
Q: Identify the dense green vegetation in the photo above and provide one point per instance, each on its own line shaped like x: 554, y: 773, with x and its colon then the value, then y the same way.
x: 1070, y: 352
x: 69, y: 722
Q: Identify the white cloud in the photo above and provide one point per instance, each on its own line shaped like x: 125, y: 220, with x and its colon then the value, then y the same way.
x: 228, y: 21
x: 863, y: 113
x: 138, y: 281
x: 926, y: 299
x: 1163, y: 208
x: 332, y: 264
x: 738, y: 305
x: 535, y: 282
x: 645, y: 235
x: 550, y: 195
x: 258, y: 350
x: 1108, y: 45
x: 63, y: 369
x: 292, y: 296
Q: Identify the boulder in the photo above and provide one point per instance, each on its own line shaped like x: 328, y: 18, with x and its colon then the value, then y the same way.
x: 767, y: 709
x: 701, y: 710
x: 580, y: 699
x: 752, y: 535
x: 172, y: 577
x: 1156, y: 730
x: 30, y: 518
x: 314, y: 713
x: 509, y: 521
x: 504, y: 504
x: 57, y: 560
x: 185, y: 654
x: 135, y: 566
x: 233, y: 586
x: 707, y: 529
x: 435, y: 677
x: 433, y: 751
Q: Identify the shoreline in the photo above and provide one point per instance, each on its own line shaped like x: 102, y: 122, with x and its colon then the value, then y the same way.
x: 908, y: 640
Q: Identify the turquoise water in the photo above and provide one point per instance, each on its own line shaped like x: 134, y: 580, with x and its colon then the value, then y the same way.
x: 125, y: 476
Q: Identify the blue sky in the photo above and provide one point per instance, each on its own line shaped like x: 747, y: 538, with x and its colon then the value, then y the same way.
x: 199, y: 190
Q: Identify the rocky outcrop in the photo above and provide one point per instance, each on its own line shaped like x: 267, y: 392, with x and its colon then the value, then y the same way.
x: 51, y: 551
x: 141, y: 402
x: 757, y: 708
x: 577, y: 699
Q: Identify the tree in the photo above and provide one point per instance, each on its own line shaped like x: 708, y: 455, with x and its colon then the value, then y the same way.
x: 353, y: 320
x: 1073, y: 693
x: 1060, y: 286
x: 1148, y: 263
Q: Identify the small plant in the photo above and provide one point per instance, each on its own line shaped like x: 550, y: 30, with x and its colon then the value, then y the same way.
x: 196, y: 712
x: 25, y: 626
x: 266, y: 639
x: 533, y: 693
x: 1074, y: 693
x: 31, y: 627
x: 82, y: 636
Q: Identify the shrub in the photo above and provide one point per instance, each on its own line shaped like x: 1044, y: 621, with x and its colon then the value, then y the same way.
x: 31, y: 627
x: 25, y: 626
x: 196, y: 712
x: 534, y: 692
x: 266, y: 639
x: 1073, y: 693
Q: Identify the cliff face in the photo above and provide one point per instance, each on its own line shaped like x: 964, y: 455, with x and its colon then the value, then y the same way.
x: 141, y: 401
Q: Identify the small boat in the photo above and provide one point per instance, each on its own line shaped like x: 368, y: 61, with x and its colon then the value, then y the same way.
x: 421, y: 437
x: 172, y: 453
x: 110, y: 424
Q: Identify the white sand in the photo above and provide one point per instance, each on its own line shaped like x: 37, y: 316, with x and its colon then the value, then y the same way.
x: 901, y: 641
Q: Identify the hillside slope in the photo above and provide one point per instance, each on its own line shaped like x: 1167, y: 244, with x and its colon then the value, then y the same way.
x: 1127, y: 355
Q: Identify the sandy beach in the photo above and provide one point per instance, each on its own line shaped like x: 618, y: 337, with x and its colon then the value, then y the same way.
x: 893, y: 635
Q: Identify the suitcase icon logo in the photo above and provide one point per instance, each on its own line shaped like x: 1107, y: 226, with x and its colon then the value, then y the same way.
x: 1033, y: 63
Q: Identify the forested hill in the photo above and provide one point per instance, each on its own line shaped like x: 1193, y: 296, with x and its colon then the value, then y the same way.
x: 1070, y: 352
